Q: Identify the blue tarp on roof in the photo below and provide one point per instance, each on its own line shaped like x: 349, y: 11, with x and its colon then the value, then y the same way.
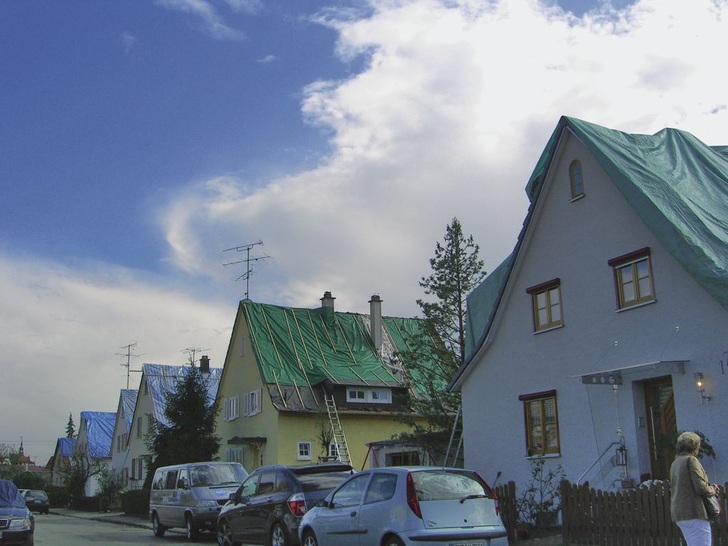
x: 128, y: 402
x: 99, y: 431
x: 66, y: 446
x: 162, y: 379
x: 676, y: 184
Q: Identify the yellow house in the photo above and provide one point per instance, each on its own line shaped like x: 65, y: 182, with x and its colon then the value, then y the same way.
x: 307, y: 385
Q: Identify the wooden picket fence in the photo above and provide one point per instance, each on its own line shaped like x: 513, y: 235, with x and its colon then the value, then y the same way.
x: 630, y: 517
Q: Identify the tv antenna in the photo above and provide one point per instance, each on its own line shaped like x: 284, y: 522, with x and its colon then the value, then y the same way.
x: 128, y: 354
x: 247, y: 260
x: 192, y: 353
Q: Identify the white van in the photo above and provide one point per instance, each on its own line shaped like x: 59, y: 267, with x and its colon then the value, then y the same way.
x: 191, y: 495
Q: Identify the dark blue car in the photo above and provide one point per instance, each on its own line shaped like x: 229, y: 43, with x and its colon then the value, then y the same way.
x: 17, y: 525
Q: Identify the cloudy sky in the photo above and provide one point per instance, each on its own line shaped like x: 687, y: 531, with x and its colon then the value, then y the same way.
x: 140, y: 140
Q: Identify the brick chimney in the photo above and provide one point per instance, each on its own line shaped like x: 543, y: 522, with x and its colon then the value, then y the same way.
x: 205, y: 364
x: 375, y: 313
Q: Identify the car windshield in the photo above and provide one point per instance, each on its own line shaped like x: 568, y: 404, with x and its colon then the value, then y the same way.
x: 447, y: 485
x: 322, y: 481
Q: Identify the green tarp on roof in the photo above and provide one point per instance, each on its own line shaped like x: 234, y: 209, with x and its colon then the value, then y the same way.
x: 301, y: 347
x: 676, y: 184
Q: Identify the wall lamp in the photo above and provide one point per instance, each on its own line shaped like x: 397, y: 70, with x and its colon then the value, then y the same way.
x: 700, y: 385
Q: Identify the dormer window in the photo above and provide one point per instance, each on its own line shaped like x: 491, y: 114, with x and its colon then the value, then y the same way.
x: 576, y: 179
x: 368, y: 395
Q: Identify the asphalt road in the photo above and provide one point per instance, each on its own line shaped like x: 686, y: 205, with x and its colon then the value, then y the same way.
x: 58, y: 530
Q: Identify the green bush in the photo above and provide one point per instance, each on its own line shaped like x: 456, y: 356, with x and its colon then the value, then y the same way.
x: 135, y: 502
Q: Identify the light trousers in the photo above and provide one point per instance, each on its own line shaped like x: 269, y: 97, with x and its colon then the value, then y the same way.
x: 695, y: 531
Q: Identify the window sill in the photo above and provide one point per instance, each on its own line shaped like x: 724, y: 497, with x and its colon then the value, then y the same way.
x: 576, y: 198
x: 536, y: 332
x: 544, y: 456
x: 635, y: 306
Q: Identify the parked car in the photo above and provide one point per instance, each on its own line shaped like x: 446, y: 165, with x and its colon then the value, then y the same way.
x: 191, y: 495
x: 37, y: 500
x: 268, y: 506
x: 407, y: 506
x: 17, y: 525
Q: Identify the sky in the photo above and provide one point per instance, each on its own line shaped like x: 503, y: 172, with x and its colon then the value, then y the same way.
x: 141, y: 141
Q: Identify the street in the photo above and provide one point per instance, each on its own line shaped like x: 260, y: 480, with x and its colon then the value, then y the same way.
x: 58, y: 530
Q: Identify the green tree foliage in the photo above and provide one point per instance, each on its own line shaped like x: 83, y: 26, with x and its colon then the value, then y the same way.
x: 190, y: 434
x: 434, y: 357
x: 456, y: 270
x: 79, y: 470
x: 70, y: 427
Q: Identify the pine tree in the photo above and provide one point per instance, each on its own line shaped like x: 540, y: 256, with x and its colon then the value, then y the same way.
x: 190, y: 435
x: 434, y: 358
x: 456, y: 270
x: 70, y: 427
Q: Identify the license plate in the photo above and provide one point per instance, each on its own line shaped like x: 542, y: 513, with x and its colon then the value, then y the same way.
x: 479, y: 543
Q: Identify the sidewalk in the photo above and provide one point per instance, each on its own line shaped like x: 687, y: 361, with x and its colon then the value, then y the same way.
x: 144, y: 523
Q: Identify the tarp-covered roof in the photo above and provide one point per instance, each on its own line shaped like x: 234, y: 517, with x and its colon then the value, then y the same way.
x: 302, y: 347
x: 676, y: 184
x: 128, y: 401
x: 65, y: 446
x: 162, y: 379
x: 99, y: 432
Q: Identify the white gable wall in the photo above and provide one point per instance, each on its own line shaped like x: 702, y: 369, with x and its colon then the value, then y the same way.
x: 573, y: 241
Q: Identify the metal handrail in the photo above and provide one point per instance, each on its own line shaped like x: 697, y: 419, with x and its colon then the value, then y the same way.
x: 610, y: 446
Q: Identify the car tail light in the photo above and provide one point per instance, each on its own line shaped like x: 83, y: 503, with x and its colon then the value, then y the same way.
x: 412, y: 500
x: 297, y: 504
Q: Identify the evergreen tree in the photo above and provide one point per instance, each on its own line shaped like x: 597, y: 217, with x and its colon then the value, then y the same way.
x: 456, y: 270
x: 70, y: 427
x: 434, y: 357
x: 190, y: 435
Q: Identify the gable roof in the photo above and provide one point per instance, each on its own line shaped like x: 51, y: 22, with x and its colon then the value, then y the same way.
x: 99, y: 432
x: 65, y: 447
x: 161, y: 379
x: 128, y: 401
x: 305, y: 347
x: 675, y: 183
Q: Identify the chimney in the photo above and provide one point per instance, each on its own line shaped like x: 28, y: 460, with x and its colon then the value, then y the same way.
x: 327, y: 302
x: 205, y: 364
x: 375, y: 312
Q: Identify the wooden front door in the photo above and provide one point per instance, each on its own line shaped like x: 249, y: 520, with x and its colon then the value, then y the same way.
x: 661, y: 426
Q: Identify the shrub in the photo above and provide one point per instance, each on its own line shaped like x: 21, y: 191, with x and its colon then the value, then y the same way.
x: 135, y: 502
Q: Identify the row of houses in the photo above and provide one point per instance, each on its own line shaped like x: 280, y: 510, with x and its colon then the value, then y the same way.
x: 297, y: 386
x: 597, y: 339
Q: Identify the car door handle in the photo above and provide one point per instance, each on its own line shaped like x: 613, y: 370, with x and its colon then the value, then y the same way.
x: 353, y: 514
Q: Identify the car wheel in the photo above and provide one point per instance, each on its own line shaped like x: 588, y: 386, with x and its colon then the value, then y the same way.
x: 157, y: 527
x: 393, y: 541
x: 225, y: 534
x: 309, y: 538
x: 279, y: 535
x: 192, y: 532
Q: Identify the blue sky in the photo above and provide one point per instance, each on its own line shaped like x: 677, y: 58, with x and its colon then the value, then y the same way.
x: 141, y: 139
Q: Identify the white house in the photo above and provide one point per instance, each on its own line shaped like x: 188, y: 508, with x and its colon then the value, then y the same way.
x: 156, y: 381
x: 120, y: 461
x: 93, y: 444
x: 61, y: 459
x: 606, y: 330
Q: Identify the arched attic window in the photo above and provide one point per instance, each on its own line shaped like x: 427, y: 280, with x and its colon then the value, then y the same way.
x: 576, y: 178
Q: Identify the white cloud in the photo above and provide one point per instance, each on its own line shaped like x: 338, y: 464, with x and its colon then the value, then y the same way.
x: 448, y: 119
x: 206, y: 13
x: 63, y: 330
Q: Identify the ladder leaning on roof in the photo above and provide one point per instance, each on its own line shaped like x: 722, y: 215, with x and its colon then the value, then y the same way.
x: 339, y: 438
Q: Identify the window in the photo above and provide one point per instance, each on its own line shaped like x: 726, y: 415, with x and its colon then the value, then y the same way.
x: 368, y: 395
x: 139, y: 427
x: 251, y: 401
x: 576, y: 179
x: 304, y: 451
x: 542, y: 426
x: 231, y: 408
x: 633, y: 278
x: 234, y: 455
x: 546, y: 304
x: 351, y: 492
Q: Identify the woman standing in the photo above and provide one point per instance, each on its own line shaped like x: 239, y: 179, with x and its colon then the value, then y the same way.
x: 689, y: 485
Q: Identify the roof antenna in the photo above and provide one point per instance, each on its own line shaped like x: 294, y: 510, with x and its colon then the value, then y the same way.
x: 247, y: 260
x: 128, y: 354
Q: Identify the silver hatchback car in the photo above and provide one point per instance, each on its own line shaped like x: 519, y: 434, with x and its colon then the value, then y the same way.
x: 407, y: 506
